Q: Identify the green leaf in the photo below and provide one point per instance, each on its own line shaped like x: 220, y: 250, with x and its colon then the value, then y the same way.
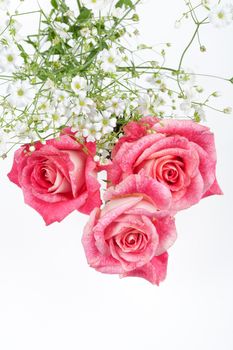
x: 126, y: 3
x: 231, y: 80
x: 54, y: 3
x: 84, y: 15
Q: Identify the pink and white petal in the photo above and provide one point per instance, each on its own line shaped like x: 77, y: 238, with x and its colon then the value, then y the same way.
x: 65, y: 143
x: 195, y: 132
x: 130, y: 151
x: 105, y: 264
x: 88, y: 240
x: 166, y: 230
x: 20, y: 159
x: 162, y: 145
x: 192, y: 195
x: 207, y: 167
x: 144, y: 207
x: 154, y: 272
x: 92, y: 201
x: 158, y: 193
x: 52, y: 212
x: 213, y: 190
x: 91, y: 170
x: 77, y: 174
x: 109, y: 265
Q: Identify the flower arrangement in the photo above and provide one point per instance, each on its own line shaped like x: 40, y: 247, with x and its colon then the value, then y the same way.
x: 79, y: 98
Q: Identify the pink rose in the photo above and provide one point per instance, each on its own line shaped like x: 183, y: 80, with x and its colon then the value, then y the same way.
x: 57, y: 177
x: 179, y: 154
x: 131, y: 234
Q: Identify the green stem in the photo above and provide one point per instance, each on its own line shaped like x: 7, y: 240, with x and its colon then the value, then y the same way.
x: 25, y: 13
x: 188, y: 46
x: 208, y: 106
x: 79, y: 5
x: 210, y: 76
x: 146, y: 67
x: 185, y: 51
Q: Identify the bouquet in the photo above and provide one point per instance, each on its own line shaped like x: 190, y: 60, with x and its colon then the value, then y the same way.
x: 80, y: 99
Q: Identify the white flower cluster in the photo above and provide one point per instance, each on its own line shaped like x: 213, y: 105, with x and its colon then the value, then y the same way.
x: 89, y: 77
x: 87, y: 120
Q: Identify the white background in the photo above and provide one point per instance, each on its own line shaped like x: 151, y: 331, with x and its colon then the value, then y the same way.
x: 49, y: 297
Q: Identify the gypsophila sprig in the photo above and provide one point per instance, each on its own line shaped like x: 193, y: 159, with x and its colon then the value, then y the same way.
x: 84, y: 70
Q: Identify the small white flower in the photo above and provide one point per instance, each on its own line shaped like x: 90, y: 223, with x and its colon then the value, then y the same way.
x: 44, y: 44
x: 70, y: 14
x: 110, y: 59
x: 227, y: 110
x: 221, y: 15
x: 115, y: 105
x: 62, y: 30
x: 96, y: 4
x: 96, y: 158
x: 23, y: 132
x: 32, y: 148
x: 144, y: 105
x: 83, y: 104
x: 187, y: 77
x: 61, y: 96
x: 79, y: 85
x: 94, y: 116
x: 78, y: 124
x: 200, y: 112
x: 49, y: 84
x: 118, y: 12
x: 186, y: 106
x: 108, y: 123
x: 21, y: 94
x: 85, y: 32
x: 62, y: 110
x: 92, y: 132
x: 10, y: 59
x: 44, y: 105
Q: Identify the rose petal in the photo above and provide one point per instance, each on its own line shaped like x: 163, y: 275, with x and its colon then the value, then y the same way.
x: 154, y: 272
x: 158, y: 193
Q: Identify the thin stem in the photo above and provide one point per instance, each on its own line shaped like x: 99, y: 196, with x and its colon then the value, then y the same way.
x: 210, y: 76
x: 185, y: 51
x: 79, y: 5
x: 25, y: 13
x: 146, y: 67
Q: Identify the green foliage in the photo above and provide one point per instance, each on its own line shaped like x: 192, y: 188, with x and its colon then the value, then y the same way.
x: 54, y: 3
x: 126, y: 3
x: 85, y: 15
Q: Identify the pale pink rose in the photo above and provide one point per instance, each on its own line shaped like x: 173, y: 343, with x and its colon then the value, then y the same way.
x: 131, y: 234
x: 57, y: 177
x: 179, y: 154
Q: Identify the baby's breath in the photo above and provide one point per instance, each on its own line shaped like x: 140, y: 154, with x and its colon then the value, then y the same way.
x: 84, y: 70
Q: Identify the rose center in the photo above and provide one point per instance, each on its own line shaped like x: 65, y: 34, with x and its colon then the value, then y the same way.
x: 131, y: 239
